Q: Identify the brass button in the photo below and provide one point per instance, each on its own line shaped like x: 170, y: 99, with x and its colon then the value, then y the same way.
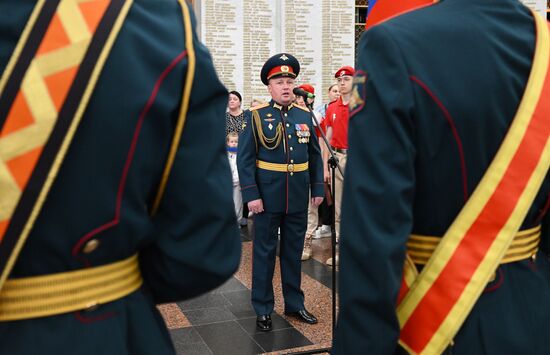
x: 292, y: 160
x: 291, y: 174
x: 286, y: 114
x: 289, y: 136
x: 287, y: 125
x: 90, y: 246
x: 291, y: 149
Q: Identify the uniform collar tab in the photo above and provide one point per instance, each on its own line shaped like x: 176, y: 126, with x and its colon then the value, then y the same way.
x: 277, y: 106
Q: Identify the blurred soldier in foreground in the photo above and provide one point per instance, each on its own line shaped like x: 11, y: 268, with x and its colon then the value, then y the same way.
x: 115, y: 188
x: 447, y: 176
x: 279, y: 164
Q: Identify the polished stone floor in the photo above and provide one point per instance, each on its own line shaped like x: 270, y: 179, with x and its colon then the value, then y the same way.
x: 223, y: 321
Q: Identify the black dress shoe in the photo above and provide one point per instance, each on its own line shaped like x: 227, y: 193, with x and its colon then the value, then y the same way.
x: 263, y: 323
x: 304, y: 316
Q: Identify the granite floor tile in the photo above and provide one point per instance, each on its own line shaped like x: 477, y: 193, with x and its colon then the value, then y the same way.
x: 318, y: 271
x: 228, y: 338
x: 281, y: 339
x: 209, y: 315
x: 173, y: 316
x: 323, y: 348
x: 186, y: 335
x: 231, y: 285
x: 208, y: 300
x: 242, y: 310
x: 238, y: 298
x: 188, y: 341
x: 193, y: 349
x: 249, y: 324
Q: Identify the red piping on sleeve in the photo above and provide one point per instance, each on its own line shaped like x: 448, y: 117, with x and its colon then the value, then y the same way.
x: 452, y: 125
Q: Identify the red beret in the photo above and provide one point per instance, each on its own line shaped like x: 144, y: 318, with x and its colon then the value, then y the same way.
x: 307, y: 88
x: 345, y: 70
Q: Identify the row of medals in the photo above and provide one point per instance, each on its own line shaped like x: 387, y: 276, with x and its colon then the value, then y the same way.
x: 303, y: 136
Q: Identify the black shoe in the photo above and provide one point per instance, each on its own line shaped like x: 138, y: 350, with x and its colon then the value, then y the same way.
x: 263, y: 323
x: 303, y: 316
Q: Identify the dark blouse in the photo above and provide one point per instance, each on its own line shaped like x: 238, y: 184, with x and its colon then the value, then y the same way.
x: 233, y: 123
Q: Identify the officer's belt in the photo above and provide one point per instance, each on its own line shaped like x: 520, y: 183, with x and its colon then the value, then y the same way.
x: 48, y: 295
x: 284, y: 168
x: 524, y: 246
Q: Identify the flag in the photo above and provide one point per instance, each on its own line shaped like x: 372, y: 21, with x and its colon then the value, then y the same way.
x: 371, y: 6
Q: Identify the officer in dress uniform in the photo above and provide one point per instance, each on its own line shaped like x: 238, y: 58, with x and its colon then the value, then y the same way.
x: 99, y: 209
x: 279, y: 163
x: 435, y: 92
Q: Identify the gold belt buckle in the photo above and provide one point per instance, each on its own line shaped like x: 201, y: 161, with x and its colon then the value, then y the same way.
x: 290, y: 168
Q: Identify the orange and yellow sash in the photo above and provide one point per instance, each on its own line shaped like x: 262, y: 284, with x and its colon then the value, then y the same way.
x: 44, y: 91
x: 434, y: 304
x: 388, y: 9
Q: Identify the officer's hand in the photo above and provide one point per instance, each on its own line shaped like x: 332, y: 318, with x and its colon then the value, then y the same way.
x: 256, y: 206
x: 316, y: 201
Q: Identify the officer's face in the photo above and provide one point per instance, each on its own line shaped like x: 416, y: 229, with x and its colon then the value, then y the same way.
x: 280, y: 90
x: 345, y: 83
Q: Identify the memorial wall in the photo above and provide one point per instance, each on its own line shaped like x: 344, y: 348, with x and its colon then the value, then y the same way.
x: 537, y: 5
x: 242, y: 34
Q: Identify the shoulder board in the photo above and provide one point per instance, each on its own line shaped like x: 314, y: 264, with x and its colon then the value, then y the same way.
x: 301, y: 108
x: 259, y: 106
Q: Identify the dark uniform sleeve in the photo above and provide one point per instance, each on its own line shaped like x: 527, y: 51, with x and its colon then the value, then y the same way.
x: 196, y: 239
x: 377, y: 201
x: 315, y: 166
x: 545, y: 234
x: 246, y: 161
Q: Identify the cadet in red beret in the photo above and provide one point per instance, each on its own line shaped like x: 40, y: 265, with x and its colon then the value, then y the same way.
x: 336, y: 121
x: 310, y: 100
